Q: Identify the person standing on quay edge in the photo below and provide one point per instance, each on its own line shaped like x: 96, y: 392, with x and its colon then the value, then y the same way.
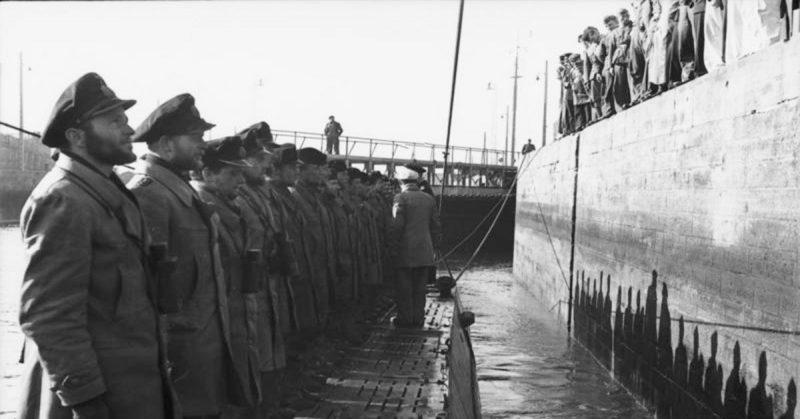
x: 91, y: 326
x: 333, y: 130
x: 415, y: 235
x: 199, y: 345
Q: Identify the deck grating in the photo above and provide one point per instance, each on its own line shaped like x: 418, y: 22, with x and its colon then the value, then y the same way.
x: 395, y: 374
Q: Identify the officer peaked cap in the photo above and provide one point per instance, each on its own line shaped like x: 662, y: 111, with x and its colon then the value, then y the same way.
x: 176, y: 116
x: 260, y: 130
x: 285, y: 154
x: 227, y: 151
x: 84, y: 99
x: 415, y: 167
x: 354, y: 173
x: 252, y: 145
x: 337, y: 166
x: 311, y: 155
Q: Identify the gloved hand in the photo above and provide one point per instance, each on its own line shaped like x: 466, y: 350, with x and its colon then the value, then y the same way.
x: 95, y: 408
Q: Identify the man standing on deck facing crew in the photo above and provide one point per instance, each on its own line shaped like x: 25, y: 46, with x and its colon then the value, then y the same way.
x: 415, y: 235
x: 87, y: 311
x: 333, y: 130
x: 198, y: 334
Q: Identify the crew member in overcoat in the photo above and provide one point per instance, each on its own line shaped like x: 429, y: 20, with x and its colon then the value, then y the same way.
x: 223, y: 162
x: 93, y: 347
x: 302, y: 298
x: 265, y: 231
x: 199, y: 345
x: 315, y: 231
x: 415, y: 235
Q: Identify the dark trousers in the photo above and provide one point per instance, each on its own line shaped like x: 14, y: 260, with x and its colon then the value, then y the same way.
x: 699, y: 43
x: 410, y: 297
x: 332, y: 145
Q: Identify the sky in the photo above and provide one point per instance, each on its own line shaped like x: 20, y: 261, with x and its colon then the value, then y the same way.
x: 382, y: 67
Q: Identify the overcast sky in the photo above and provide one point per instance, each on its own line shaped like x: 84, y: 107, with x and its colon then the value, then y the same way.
x: 383, y: 68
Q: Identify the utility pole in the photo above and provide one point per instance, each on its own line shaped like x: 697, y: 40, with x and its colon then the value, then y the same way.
x: 483, y: 155
x: 21, y: 117
x: 514, y: 120
x: 544, y: 113
x: 505, y: 151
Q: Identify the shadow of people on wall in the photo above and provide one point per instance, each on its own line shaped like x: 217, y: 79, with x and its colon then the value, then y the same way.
x: 791, y: 401
x: 713, y: 383
x: 680, y: 376
x: 760, y: 406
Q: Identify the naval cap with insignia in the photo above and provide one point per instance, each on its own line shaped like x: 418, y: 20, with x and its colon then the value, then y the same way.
x: 252, y: 145
x: 310, y: 155
x: 226, y: 151
x: 84, y: 99
x: 285, y: 154
x: 176, y: 116
x: 355, y: 173
x: 337, y: 166
x: 415, y: 167
x: 260, y: 130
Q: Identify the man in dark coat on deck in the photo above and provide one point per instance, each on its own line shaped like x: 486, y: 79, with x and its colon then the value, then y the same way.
x: 199, y: 345
x: 415, y: 236
x: 93, y: 347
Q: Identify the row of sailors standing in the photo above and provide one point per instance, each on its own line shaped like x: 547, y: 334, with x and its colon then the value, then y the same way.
x: 262, y: 246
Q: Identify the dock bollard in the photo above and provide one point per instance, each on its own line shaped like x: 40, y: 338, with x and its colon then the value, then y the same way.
x: 466, y: 319
x: 445, y: 286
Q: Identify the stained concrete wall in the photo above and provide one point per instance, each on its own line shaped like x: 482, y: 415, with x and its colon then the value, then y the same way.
x: 701, y: 184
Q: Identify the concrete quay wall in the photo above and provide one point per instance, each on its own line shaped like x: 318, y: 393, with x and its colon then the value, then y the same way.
x: 702, y: 184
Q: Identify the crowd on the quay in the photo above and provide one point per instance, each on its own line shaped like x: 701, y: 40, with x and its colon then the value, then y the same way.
x: 180, y: 291
x: 661, y: 44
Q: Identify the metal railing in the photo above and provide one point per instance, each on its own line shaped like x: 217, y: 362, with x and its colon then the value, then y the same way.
x: 400, y: 150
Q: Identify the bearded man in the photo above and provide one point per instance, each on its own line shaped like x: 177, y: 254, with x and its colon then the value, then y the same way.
x: 93, y: 348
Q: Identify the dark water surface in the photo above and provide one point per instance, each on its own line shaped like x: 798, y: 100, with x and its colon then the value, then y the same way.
x: 526, y: 367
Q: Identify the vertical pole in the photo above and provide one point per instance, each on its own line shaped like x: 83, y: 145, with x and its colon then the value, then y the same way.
x: 21, y: 117
x: 514, y: 109
x: 505, y: 151
x: 572, y: 233
x: 483, y: 154
x: 452, y: 99
x: 544, y: 112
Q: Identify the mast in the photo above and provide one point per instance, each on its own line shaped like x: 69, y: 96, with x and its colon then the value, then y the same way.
x: 514, y: 120
x: 505, y: 152
x: 21, y: 117
x: 544, y: 113
x: 452, y: 99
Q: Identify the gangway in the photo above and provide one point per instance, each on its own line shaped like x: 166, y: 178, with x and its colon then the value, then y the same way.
x: 470, y: 170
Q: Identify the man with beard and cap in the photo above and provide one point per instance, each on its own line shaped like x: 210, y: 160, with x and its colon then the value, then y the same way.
x: 317, y: 229
x: 198, y: 334
x: 221, y: 175
x: 93, y: 347
x: 265, y: 232
x: 302, y: 290
x: 416, y: 234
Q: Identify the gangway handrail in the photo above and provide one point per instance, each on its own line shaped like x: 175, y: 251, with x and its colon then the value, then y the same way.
x: 350, y: 142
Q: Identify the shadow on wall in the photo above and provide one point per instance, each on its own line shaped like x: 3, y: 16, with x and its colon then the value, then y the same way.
x: 638, y: 349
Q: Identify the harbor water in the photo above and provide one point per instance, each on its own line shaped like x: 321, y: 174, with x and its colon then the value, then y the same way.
x: 526, y: 366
